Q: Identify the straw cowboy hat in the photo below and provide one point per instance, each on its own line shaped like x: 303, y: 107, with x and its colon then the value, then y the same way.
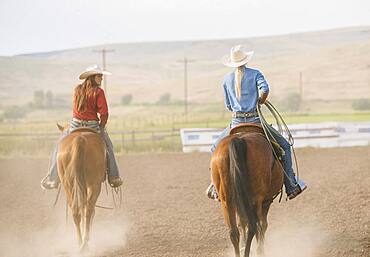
x: 238, y: 57
x: 93, y: 70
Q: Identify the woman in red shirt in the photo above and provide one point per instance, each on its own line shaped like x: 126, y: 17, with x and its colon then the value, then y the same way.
x: 90, y: 110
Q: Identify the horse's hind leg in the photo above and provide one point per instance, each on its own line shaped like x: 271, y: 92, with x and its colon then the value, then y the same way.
x: 242, y: 226
x: 230, y: 218
x: 77, y: 220
x: 76, y: 217
x: 248, y: 243
x: 92, y: 196
x: 262, y: 211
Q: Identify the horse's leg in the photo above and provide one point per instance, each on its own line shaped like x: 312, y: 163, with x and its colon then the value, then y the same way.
x: 262, y: 210
x: 230, y: 218
x: 242, y: 226
x: 248, y: 243
x: 77, y: 220
x: 92, y: 196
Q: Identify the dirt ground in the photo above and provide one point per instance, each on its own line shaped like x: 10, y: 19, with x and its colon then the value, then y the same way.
x: 165, y: 211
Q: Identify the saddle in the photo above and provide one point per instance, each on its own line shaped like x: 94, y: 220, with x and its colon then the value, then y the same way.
x: 247, y: 128
x: 256, y: 128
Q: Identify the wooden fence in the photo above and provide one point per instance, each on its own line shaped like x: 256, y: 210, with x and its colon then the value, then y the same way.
x: 123, y: 141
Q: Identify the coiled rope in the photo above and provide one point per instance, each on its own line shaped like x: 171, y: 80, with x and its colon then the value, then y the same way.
x: 283, y: 130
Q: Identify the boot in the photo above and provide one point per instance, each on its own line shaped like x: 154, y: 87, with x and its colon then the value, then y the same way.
x: 212, y: 193
x: 115, y: 182
x: 300, y: 187
x: 47, y: 183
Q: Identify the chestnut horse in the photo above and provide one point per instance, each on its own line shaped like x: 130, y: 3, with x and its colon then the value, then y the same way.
x: 81, y: 169
x: 247, y: 178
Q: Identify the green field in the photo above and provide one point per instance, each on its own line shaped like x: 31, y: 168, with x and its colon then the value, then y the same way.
x: 144, y: 128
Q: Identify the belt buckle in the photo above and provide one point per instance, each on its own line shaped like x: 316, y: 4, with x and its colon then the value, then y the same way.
x: 242, y: 115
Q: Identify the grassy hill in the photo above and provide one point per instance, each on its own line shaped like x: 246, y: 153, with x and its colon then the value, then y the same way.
x: 335, y: 68
x: 332, y: 66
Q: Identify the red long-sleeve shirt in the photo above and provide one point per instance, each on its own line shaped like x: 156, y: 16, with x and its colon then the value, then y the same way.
x: 95, y: 105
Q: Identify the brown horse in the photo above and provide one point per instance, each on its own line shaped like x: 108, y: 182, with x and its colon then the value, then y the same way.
x: 81, y: 169
x: 247, y: 178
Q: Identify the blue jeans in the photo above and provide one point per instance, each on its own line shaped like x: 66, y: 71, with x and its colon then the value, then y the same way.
x: 53, y: 171
x: 290, y: 181
x: 112, y: 164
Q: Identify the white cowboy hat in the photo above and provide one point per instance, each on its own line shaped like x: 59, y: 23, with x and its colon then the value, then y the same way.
x: 238, y: 57
x: 93, y: 70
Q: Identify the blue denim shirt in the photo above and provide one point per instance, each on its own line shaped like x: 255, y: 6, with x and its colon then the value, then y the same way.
x: 252, y: 81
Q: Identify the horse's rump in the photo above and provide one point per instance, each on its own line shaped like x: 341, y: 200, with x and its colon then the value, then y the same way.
x: 256, y: 149
x: 86, y: 152
x: 247, y: 128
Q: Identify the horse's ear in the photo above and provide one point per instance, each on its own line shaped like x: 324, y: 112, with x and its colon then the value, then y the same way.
x: 60, y: 127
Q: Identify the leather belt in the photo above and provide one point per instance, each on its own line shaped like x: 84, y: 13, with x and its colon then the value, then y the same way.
x: 244, y: 114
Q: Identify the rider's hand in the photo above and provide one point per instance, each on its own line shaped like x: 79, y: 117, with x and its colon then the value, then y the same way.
x: 262, y: 98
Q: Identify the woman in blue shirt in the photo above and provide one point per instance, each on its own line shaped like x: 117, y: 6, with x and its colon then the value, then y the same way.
x: 244, y: 88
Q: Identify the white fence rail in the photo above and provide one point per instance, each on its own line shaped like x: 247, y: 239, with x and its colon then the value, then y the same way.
x: 332, y: 134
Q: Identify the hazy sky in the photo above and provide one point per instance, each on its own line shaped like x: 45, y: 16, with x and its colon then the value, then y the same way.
x: 43, y: 25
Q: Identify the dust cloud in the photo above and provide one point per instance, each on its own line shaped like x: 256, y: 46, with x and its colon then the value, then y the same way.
x: 53, y: 237
x: 289, y: 240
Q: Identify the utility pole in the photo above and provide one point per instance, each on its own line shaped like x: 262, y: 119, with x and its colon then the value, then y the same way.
x: 300, y: 90
x: 104, y: 52
x: 301, y: 85
x: 186, y: 61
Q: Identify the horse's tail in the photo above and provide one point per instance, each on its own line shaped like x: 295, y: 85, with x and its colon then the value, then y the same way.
x: 77, y: 175
x: 239, y: 177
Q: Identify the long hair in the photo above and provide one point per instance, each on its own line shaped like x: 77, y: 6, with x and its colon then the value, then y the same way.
x: 238, y: 81
x: 83, y: 92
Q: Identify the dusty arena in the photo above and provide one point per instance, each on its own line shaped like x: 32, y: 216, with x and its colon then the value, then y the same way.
x: 165, y: 212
